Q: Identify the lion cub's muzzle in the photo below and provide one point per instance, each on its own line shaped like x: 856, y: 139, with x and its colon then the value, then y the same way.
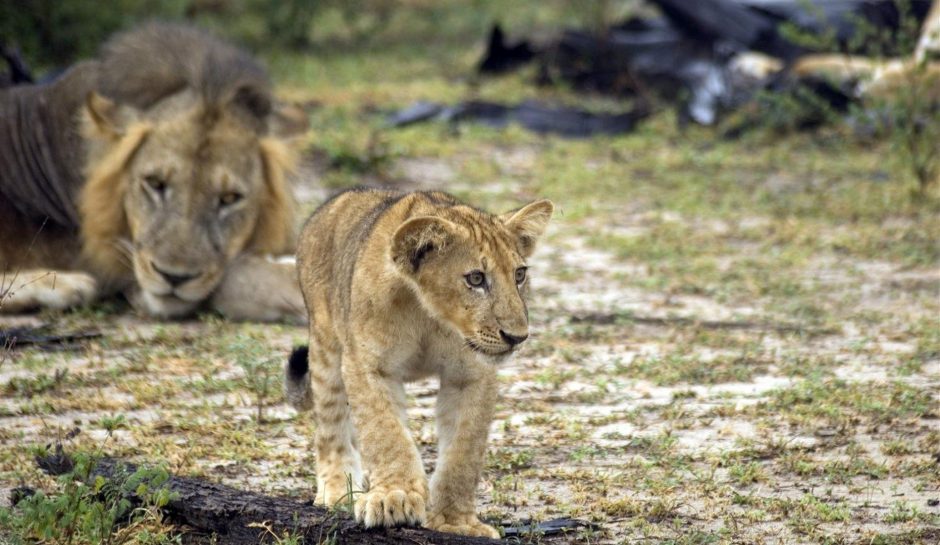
x: 501, y: 344
x: 513, y: 339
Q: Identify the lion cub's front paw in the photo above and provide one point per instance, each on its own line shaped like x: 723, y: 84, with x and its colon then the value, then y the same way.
x: 392, y: 506
x: 467, y: 525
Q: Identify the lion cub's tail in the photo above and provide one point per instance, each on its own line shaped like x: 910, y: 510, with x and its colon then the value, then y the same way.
x: 297, y: 388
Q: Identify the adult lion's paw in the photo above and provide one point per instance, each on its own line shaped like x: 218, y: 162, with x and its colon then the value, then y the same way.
x: 467, y: 525
x: 259, y: 289
x: 62, y: 290
x: 391, y: 506
x: 160, y: 306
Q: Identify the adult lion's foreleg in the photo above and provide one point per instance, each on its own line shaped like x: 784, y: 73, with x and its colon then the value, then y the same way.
x: 41, y: 288
x: 260, y: 289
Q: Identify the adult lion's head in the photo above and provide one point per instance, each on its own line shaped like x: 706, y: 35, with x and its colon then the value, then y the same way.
x: 186, y: 156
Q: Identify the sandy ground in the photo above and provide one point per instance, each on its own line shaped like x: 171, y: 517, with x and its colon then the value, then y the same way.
x: 657, y: 429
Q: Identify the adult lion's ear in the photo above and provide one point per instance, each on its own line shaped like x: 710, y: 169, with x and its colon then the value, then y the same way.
x: 108, y: 119
x: 418, y: 239
x: 528, y: 223
x: 288, y: 121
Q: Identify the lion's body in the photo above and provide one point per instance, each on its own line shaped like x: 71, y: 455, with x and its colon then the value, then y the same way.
x: 121, y: 171
x: 383, y: 280
x: 41, y: 152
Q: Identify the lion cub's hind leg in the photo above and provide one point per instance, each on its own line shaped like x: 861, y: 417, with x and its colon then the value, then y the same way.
x: 339, y: 469
x: 34, y: 289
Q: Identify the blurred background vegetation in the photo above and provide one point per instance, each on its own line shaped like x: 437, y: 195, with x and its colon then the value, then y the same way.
x: 369, y: 55
x: 54, y: 33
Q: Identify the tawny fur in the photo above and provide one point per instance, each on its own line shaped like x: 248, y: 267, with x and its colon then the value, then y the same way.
x: 164, y: 106
x: 385, y: 281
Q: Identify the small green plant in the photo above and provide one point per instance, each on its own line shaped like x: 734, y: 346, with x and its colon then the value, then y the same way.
x: 112, y: 423
x: 510, y: 460
x: 93, y: 510
x: 901, y: 512
x: 348, y: 502
x: 745, y: 474
x: 262, y: 370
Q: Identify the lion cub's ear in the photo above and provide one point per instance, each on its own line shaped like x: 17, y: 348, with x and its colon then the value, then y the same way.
x: 418, y: 238
x: 108, y: 119
x: 528, y: 223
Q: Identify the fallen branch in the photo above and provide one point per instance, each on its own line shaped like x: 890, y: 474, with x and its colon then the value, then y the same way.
x: 40, y: 336
x: 239, y: 517
x: 617, y: 317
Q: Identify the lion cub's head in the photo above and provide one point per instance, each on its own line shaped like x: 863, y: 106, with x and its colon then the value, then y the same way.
x: 468, y: 269
x: 185, y: 166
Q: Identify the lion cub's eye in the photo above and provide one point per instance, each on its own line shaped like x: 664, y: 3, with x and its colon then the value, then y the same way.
x: 520, y: 274
x: 475, y: 279
x: 156, y: 184
x: 230, y: 198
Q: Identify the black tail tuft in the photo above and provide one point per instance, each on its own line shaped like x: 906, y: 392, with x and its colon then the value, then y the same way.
x: 299, y: 363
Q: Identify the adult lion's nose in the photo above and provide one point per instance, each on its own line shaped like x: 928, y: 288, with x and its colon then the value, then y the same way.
x: 174, y: 279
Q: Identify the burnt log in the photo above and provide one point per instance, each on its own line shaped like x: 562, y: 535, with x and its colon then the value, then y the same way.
x: 43, y: 337
x: 223, y: 514
x: 685, y: 55
x: 538, y: 117
x: 501, y: 56
x: 18, y: 71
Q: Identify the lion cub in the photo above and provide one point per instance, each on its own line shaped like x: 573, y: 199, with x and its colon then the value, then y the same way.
x: 400, y: 286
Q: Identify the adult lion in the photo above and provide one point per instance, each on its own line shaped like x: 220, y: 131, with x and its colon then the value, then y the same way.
x: 156, y: 170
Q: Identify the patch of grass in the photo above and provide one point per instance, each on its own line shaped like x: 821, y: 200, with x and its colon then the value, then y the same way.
x: 680, y: 368
x: 586, y: 452
x: 38, y: 384
x: 843, y: 471
x: 839, y: 403
x: 695, y: 538
x: 554, y: 377
x: 808, y: 512
x: 896, y: 447
x: 912, y: 537
x: 93, y: 510
x: 509, y: 460
x: 746, y: 474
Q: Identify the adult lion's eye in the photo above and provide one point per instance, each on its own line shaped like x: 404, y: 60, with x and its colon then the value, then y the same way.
x: 156, y: 184
x: 520, y: 274
x: 475, y: 279
x: 229, y: 198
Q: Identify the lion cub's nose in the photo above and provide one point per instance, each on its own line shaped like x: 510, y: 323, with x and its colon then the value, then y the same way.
x: 512, y: 340
x: 172, y: 279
